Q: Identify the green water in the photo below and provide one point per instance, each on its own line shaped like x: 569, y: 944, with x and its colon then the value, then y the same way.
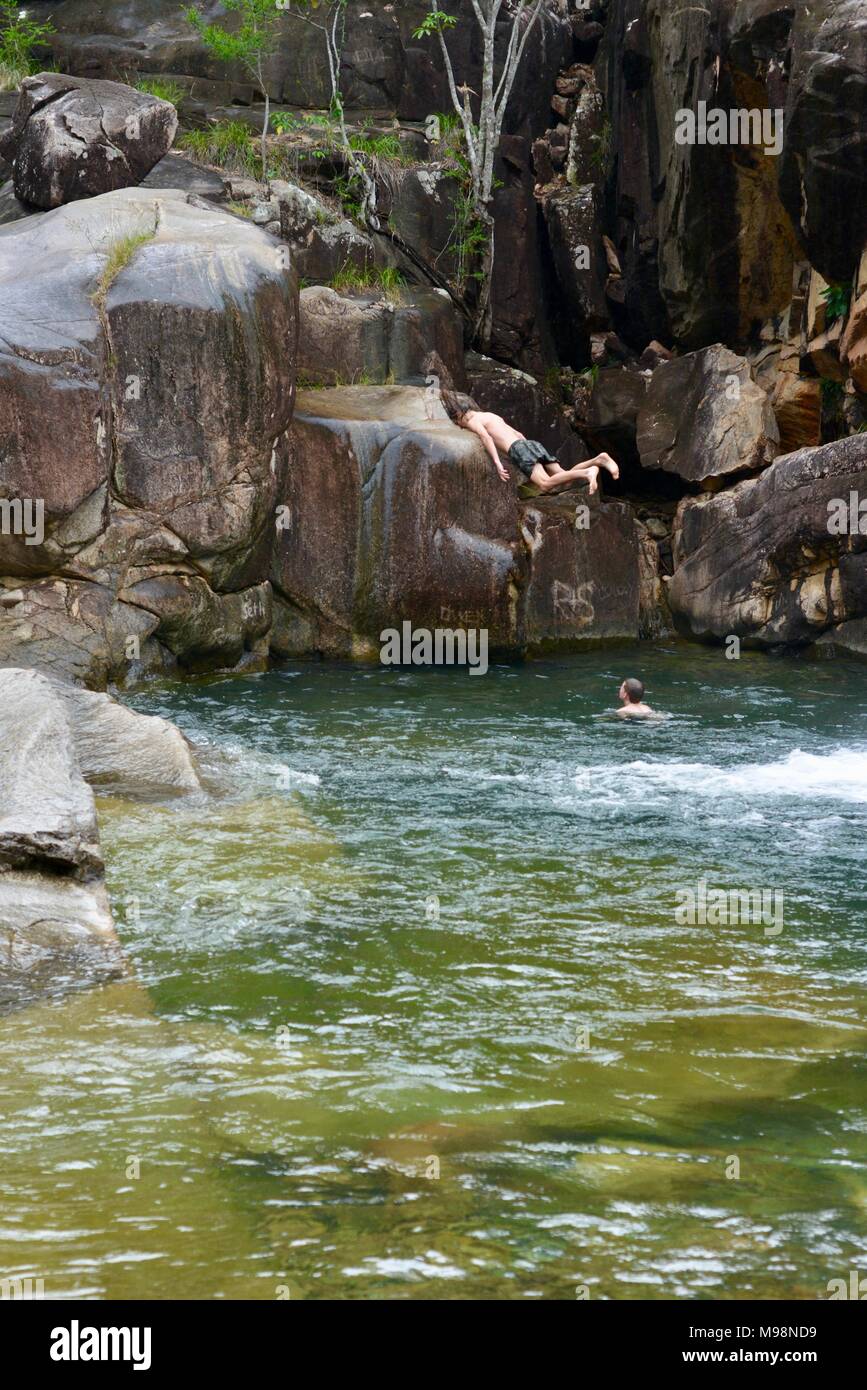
x: 350, y: 1062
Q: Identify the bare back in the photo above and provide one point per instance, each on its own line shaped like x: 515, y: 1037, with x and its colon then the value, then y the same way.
x: 502, y: 434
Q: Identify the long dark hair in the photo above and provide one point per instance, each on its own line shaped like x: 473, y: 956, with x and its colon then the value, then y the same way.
x: 456, y: 403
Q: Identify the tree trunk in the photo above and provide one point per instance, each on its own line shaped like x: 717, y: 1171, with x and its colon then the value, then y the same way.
x: 265, y: 125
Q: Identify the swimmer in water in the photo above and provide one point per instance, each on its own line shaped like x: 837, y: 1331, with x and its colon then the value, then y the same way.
x: 632, y: 699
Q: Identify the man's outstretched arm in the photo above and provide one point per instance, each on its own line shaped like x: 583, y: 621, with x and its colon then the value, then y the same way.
x: 492, y: 450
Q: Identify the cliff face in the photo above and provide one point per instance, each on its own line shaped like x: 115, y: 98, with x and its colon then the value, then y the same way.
x: 680, y: 233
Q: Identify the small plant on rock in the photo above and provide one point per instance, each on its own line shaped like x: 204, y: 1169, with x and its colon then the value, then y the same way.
x: 837, y: 299
x: 19, y: 36
x: 163, y: 88
x: 119, y: 253
x: 226, y: 144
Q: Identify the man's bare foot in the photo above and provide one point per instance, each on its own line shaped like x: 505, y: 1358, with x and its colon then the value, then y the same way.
x: 592, y: 476
x: 606, y: 461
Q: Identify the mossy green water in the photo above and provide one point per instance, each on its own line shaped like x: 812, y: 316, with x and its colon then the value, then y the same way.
x: 413, y: 1015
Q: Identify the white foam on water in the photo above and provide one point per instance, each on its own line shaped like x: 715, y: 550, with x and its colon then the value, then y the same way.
x: 841, y: 775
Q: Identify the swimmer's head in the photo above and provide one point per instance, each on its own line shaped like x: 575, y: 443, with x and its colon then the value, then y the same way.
x: 632, y: 691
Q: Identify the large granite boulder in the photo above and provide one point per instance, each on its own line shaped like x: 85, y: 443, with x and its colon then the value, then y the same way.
x: 152, y: 341
x: 118, y: 749
x: 48, y: 815
x: 370, y: 337
x: 780, y: 559
x: 73, y: 138
x: 703, y: 417
x: 54, y: 912
x: 393, y: 514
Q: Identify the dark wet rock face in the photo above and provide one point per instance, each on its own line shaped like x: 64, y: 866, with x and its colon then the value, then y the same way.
x: 73, y: 138
x: 172, y: 388
x: 394, y: 514
x: 703, y: 417
x: 824, y: 167
x: 776, y: 560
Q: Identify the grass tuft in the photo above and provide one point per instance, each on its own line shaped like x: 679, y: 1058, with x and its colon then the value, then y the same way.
x: 118, y: 255
x: 387, y: 279
x: 228, y: 144
x: 12, y: 75
x: 163, y: 88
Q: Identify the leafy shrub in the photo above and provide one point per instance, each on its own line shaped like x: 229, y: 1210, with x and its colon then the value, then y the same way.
x: 19, y: 36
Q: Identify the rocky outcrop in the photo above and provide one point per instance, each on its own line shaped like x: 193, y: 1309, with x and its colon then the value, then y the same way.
x: 73, y: 138
x: 55, y: 739
x: 823, y: 175
x: 371, y: 337
x: 156, y: 338
x: 383, y: 67
x: 704, y: 417
x: 393, y: 514
x: 780, y: 559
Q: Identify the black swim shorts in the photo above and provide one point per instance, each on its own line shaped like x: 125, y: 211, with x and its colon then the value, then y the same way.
x: 526, y: 453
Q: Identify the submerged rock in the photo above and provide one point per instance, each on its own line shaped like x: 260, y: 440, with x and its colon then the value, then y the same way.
x: 72, y: 137
x: 57, y: 935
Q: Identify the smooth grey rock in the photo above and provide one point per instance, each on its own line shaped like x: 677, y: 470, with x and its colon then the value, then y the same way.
x: 703, y: 417
x: 47, y: 816
x: 73, y: 137
x: 119, y: 749
x: 347, y: 338
x: 760, y: 560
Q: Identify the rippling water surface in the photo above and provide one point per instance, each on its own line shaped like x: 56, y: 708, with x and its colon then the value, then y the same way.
x: 413, y: 1015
